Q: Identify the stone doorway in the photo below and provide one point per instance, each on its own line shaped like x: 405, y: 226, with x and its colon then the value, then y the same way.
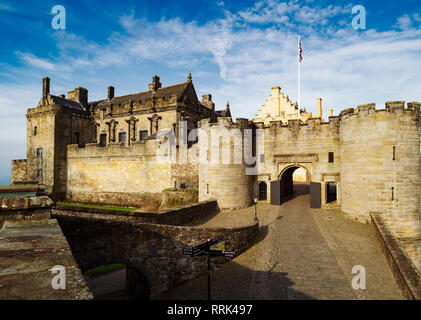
x: 292, y: 181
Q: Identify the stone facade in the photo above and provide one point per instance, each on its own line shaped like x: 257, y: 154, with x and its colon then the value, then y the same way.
x: 105, y: 151
x: 18, y: 171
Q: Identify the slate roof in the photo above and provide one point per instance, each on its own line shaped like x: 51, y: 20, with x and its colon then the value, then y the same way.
x: 67, y: 103
x: 164, y: 92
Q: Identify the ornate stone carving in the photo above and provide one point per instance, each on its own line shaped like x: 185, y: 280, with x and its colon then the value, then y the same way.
x: 111, y: 129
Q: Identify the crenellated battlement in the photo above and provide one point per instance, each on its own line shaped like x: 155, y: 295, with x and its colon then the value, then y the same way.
x: 393, y: 107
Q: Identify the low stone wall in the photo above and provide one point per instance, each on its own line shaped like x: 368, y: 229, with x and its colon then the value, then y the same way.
x: 406, y: 274
x: 28, y: 250
x: 22, y: 203
x: 176, y: 217
x: 156, y: 250
x: 24, y: 214
x: 135, y: 199
x: 173, y: 199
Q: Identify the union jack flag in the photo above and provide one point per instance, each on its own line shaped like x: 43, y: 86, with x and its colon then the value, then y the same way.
x: 300, y: 52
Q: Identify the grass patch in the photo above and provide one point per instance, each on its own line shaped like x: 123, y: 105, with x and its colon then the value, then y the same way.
x: 98, y: 271
x: 83, y: 205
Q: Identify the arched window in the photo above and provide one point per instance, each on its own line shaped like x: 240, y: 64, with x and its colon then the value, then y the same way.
x: 263, y: 191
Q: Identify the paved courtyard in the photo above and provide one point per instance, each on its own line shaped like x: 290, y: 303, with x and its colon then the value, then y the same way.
x: 302, y: 253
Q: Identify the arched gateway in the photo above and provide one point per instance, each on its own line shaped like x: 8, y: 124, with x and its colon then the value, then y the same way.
x: 283, y: 189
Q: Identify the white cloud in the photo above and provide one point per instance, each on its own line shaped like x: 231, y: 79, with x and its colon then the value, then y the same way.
x: 404, y: 22
x: 36, y: 62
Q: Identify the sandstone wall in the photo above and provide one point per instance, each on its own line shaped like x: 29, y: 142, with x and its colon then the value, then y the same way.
x: 43, y: 119
x: 305, y: 146
x: 18, y: 171
x: 222, y: 173
x: 115, y: 173
x: 380, y: 167
x: 52, y: 127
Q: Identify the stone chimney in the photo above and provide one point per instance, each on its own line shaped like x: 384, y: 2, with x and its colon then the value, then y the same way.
x: 79, y: 95
x: 45, y: 87
x: 330, y: 112
x: 319, y: 108
x: 155, y: 85
x: 207, y: 101
x: 110, y: 92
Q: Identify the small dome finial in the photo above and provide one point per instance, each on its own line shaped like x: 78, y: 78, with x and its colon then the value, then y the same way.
x: 189, y: 77
x: 228, y: 105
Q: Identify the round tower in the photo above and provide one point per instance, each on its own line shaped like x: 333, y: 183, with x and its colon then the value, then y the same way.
x: 223, y: 172
x: 380, y: 165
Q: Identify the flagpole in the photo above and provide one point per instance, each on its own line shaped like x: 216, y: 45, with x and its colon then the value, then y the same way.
x: 299, y: 79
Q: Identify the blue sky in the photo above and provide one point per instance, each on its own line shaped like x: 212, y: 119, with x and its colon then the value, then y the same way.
x: 236, y: 50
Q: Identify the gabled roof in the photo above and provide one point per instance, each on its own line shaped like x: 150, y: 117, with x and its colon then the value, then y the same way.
x: 67, y: 103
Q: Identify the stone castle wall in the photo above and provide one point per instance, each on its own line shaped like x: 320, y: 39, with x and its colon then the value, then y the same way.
x: 380, y: 168
x: 115, y: 173
x: 220, y: 177
x: 300, y: 145
x: 118, y: 174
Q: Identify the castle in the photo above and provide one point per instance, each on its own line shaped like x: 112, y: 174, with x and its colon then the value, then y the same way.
x: 365, y: 160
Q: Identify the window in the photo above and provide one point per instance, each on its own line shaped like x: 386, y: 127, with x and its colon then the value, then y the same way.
x: 39, y: 153
x: 143, y: 134
x: 39, y: 173
x: 103, y: 140
x: 122, y: 137
x: 263, y: 191
x: 207, y: 188
x: 76, y: 138
x: 104, y: 114
x: 394, y: 153
x: 262, y: 158
x: 35, y: 130
x: 331, y: 156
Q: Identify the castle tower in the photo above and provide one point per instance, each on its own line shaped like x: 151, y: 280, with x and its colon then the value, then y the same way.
x: 55, y: 123
x: 222, y: 169
x: 380, y: 165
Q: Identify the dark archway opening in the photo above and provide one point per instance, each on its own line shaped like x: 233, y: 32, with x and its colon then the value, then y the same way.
x: 107, y: 282
x: 117, y: 282
x: 331, y: 192
x: 292, y: 182
x: 263, y: 191
x: 296, y: 181
x: 137, y: 285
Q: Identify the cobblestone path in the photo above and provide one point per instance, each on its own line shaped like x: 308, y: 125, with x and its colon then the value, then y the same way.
x: 302, y: 253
